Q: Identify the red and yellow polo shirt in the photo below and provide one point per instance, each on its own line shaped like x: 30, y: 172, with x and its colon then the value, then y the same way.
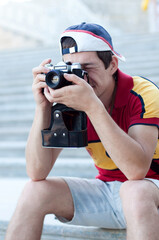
x: 136, y: 102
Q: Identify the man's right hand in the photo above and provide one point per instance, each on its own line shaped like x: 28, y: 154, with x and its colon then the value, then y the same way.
x: 39, y: 85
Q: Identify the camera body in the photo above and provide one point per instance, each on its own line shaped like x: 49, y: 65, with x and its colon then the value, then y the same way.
x: 55, y: 77
x: 68, y: 127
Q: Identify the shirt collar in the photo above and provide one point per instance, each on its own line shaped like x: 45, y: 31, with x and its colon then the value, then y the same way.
x: 124, y: 85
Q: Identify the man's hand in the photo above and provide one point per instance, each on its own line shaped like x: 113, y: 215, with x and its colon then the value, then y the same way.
x: 39, y: 85
x: 80, y: 95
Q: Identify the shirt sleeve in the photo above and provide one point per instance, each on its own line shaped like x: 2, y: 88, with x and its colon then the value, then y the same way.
x: 144, y: 103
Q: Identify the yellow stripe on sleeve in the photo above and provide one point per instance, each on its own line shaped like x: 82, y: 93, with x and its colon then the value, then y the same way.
x: 150, y: 96
x: 98, y: 153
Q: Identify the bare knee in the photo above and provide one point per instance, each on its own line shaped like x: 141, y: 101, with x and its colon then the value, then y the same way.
x: 47, y: 196
x: 132, y: 190
x: 137, y: 197
x: 32, y: 196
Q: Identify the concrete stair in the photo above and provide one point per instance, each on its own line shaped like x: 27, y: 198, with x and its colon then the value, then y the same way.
x: 61, y: 232
x: 17, y: 111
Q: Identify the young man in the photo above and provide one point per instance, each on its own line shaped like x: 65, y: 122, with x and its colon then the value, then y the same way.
x: 123, y: 122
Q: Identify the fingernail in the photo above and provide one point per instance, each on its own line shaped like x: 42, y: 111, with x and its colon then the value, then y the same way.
x: 66, y: 74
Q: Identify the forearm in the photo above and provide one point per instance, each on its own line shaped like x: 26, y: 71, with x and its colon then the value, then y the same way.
x: 39, y: 160
x: 127, y: 154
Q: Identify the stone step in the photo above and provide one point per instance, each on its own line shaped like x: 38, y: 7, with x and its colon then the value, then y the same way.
x: 13, y: 130
x: 12, y: 133
x: 81, y: 233
x: 26, y: 57
x: 128, y: 41
x: 65, y: 232
x: 12, y: 149
x: 16, y: 90
x: 17, y: 106
x: 21, y: 121
x: 153, y: 74
x: 20, y: 98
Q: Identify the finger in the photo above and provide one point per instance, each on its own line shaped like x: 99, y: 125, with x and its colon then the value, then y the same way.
x: 48, y: 96
x: 39, y: 69
x: 40, y: 85
x: 39, y: 78
x: 73, y: 78
x: 46, y: 61
x: 58, y: 93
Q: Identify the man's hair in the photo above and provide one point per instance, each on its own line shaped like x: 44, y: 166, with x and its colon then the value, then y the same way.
x: 105, y: 56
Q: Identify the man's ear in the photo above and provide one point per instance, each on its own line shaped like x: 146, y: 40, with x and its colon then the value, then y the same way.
x: 114, y: 65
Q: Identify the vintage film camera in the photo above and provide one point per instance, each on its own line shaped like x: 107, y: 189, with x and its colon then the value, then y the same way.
x: 68, y: 127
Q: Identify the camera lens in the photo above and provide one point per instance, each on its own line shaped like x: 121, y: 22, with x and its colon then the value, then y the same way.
x: 55, y: 79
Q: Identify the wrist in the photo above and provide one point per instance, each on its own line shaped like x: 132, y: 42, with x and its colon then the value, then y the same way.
x: 43, y: 115
x: 40, y: 109
x: 95, y: 108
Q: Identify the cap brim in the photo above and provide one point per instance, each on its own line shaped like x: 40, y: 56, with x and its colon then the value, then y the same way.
x: 87, y: 41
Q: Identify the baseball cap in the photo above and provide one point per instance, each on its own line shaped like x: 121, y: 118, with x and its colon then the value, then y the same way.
x: 89, y: 37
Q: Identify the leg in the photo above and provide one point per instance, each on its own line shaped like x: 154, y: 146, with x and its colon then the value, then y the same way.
x: 37, y: 200
x: 140, y: 200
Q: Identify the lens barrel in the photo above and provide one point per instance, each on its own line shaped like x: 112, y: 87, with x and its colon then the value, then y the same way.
x: 55, y: 79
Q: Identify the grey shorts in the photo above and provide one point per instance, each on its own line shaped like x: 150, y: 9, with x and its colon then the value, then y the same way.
x: 96, y: 203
